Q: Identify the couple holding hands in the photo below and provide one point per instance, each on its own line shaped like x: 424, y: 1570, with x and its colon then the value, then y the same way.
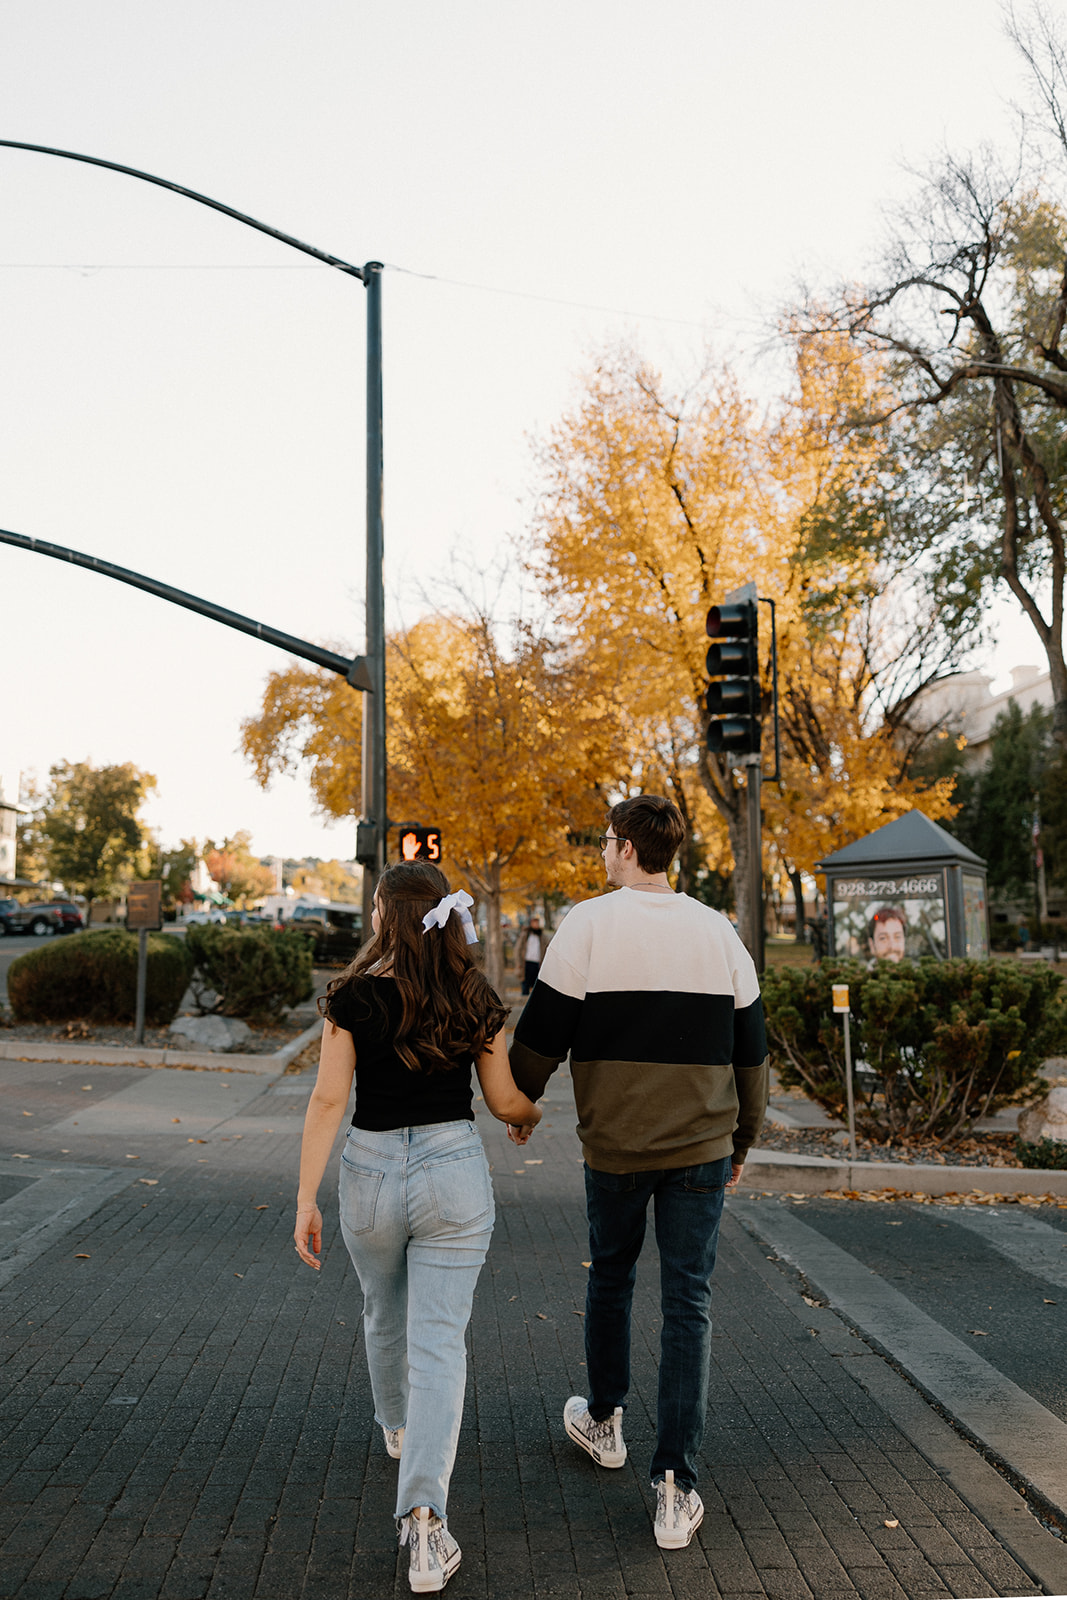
x: 657, y: 1003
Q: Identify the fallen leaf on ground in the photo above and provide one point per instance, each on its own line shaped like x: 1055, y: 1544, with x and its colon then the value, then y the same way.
x: 1051, y: 1302
x: 892, y: 1522
x: 262, y: 1208
x: 587, y: 1263
x: 175, y: 1119
x: 27, y: 1113
x: 979, y: 1332
x: 541, y: 1317
x: 19, y: 1157
x: 152, y: 1181
x: 81, y: 1257
x: 529, y: 1163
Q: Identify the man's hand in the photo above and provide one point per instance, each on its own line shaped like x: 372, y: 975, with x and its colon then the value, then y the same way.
x: 736, y: 1169
x: 520, y: 1133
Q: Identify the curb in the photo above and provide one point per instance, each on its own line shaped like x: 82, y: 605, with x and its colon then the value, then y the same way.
x: 127, y: 1056
x: 774, y: 1171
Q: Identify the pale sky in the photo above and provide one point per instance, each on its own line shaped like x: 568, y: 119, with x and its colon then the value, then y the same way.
x: 184, y: 396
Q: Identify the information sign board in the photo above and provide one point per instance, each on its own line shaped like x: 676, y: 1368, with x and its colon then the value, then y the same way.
x: 144, y: 906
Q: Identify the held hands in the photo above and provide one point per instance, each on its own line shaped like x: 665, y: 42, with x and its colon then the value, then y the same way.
x: 519, y: 1132
x: 308, y: 1232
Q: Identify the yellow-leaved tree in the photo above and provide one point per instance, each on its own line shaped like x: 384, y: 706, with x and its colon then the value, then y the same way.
x: 495, y: 734
x: 656, y: 506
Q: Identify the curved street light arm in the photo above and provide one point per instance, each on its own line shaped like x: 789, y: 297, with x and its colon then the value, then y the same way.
x: 355, y: 672
x: 191, y: 194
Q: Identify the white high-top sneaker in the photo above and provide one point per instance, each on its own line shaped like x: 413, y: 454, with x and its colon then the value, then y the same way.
x: 434, y: 1554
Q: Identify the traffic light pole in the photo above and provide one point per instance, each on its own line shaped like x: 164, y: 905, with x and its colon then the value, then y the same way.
x: 371, y: 850
x: 372, y: 832
x: 754, y: 935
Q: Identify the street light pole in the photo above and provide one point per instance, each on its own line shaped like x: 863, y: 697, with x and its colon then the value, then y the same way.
x: 375, y: 799
x: 372, y: 833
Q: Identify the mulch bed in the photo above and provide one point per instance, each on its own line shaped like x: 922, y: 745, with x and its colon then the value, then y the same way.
x: 978, y: 1150
x: 265, y: 1040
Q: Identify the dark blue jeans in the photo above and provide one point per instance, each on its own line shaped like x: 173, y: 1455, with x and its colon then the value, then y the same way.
x: 687, y: 1207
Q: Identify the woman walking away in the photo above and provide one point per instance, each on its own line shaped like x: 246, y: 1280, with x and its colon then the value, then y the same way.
x: 407, y: 1019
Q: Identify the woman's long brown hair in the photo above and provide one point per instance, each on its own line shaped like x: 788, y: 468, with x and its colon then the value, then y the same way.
x: 448, y: 1010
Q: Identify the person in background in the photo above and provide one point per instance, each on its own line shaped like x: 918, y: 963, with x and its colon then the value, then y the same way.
x: 407, y: 1020
x: 658, y: 1003
x: 532, y: 961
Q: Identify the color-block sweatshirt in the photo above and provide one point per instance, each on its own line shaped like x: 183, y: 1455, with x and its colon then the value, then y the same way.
x: 657, y: 1001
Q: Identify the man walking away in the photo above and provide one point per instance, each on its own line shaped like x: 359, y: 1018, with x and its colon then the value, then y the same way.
x: 532, y: 962
x: 657, y: 1001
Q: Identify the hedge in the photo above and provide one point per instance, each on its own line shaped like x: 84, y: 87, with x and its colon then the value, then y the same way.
x: 94, y: 976
x: 935, y: 1044
x: 251, y: 972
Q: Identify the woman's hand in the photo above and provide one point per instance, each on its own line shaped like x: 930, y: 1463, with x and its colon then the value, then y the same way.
x: 519, y: 1133
x: 308, y: 1231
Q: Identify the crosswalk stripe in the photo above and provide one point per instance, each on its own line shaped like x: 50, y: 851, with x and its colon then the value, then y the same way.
x: 1010, y: 1422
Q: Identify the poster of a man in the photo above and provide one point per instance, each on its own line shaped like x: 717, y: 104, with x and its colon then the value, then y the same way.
x: 887, y: 934
x: 889, y: 919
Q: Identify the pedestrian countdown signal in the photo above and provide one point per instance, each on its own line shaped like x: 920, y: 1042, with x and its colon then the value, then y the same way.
x: 420, y: 844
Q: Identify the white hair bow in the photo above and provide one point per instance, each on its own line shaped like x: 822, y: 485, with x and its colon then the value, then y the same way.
x: 444, y: 908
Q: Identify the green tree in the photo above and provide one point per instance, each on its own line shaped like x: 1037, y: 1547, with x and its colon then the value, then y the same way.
x: 999, y: 802
x: 174, y: 869
x: 88, y: 826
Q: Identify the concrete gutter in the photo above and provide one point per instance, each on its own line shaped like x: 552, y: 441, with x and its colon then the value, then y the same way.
x: 171, y: 1056
x: 771, y: 1171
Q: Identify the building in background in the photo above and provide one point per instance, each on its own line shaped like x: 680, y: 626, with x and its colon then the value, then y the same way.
x: 965, y: 704
x: 10, y: 811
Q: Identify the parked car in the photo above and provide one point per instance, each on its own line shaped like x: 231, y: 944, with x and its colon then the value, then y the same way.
x: 37, y: 919
x: 337, y: 931
x: 71, y: 915
x: 202, y: 917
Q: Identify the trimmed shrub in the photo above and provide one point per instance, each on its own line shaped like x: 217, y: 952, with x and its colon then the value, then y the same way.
x: 253, y: 972
x: 935, y: 1044
x: 1048, y: 1153
x: 94, y: 976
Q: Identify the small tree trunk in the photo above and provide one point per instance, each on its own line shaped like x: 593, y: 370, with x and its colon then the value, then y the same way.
x: 737, y: 826
x: 494, y: 932
x: 798, y: 901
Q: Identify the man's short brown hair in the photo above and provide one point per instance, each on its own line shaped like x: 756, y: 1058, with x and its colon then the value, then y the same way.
x: 653, y: 825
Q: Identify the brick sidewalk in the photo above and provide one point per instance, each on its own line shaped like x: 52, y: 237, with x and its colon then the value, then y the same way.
x: 186, y: 1413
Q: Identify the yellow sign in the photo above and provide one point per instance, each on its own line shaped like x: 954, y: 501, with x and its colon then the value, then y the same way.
x: 840, y: 991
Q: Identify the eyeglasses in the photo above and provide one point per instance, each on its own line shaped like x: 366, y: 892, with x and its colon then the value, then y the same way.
x: 610, y: 838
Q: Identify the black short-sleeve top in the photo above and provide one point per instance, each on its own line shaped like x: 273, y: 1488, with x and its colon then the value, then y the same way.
x: 389, y: 1094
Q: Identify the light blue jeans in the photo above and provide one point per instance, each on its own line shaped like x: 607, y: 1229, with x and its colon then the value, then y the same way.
x: 416, y: 1209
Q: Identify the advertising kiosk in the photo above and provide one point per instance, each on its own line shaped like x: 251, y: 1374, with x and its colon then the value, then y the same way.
x: 908, y: 889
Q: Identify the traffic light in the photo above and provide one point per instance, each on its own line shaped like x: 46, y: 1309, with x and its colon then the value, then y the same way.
x: 733, y: 697
x: 420, y: 844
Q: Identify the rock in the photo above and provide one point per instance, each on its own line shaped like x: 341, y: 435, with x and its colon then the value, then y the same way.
x: 1046, y: 1120
x: 210, y: 1033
